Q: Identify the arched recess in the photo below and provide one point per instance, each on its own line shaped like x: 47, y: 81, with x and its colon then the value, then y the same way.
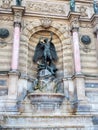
x: 31, y: 37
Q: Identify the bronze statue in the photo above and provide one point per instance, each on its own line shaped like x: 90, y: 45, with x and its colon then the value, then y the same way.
x: 18, y: 2
x: 95, y: 5
x: 45, y: 54
x: 72, y: 5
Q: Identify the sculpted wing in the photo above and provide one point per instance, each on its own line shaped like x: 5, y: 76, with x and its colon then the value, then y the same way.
x: 38, y: 54
x: 53, y: 52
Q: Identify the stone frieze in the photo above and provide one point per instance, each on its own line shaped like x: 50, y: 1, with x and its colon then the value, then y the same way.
x: 47, y: 7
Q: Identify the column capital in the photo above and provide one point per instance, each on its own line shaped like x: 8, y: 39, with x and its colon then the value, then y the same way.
x: 74, y: 29
x: 73, y: 18
x: 18, y: 12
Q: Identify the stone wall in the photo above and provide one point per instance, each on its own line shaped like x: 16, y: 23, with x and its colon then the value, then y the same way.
x: 37, y: 19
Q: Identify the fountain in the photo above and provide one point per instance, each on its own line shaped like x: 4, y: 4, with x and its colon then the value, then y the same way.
x: 48, y: 91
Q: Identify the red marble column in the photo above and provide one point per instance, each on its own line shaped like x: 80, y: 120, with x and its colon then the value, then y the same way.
x: 15, y: 51
x: 18, y: 13
x: 76, y: 51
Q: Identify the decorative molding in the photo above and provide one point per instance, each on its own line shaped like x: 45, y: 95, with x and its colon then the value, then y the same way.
x: 46, y: 22
x: 82, y: 10
x: 18, y: 13
x: 74, y: 24
x: 74, y: 20
x: 47, y: 7
x: 6, y: 18
x: 6, y: 4
x: 57, y: 121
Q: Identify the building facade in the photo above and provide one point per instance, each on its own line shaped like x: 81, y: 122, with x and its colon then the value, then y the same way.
x: 74, y: 105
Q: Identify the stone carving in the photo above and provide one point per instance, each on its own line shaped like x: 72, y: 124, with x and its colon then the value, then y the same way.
x: 82, y: 10
x: 6, y: 3
x: 18, y: 17
x: 85, y: 25
x: 6, y: 18
x: 4, y: 33
x: 86, y: 39
x: 95, y: 6
x: 51, y: 8
x: 18, y: 2
x: 74, y: 23
x: 72, y: 5
x: 46, y: 22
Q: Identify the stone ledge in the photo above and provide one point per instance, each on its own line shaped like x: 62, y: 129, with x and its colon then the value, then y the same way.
x: 48, y: 121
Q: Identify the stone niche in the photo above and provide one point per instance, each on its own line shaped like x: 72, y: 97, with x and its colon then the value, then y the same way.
x: 34, y: 39
x: 46, y: 97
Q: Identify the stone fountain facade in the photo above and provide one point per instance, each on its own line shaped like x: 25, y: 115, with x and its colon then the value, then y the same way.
x: 74, y: 105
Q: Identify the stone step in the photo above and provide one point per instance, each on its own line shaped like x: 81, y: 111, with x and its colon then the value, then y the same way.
x: 48, y: 122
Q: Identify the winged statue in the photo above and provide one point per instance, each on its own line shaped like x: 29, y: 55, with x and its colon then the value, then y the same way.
x: 45, y: 52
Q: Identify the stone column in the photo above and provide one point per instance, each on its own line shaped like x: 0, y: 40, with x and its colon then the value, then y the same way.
x: 77, y: 63
x: 78, y: 78
x: 18, y: 12
x: 14, y: 74
x: 15, y: 51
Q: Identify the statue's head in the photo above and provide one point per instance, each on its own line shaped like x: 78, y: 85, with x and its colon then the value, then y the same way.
x: 46, y: 40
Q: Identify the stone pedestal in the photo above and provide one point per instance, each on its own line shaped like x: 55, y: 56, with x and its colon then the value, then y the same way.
x: 12, y: 91
x: 46, y: 102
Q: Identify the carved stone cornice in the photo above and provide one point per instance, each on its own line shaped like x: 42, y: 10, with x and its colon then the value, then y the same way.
x: 94, y: 19
x: 18, y: 12
x: 74, y: 20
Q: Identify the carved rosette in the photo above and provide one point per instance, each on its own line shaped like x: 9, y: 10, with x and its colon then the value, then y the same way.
x: 46, y: 22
